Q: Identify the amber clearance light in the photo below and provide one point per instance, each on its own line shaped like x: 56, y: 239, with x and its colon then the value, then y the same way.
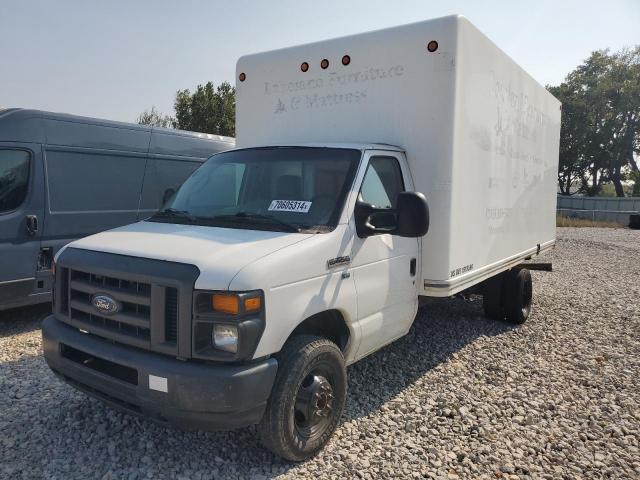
x: 225, y: 303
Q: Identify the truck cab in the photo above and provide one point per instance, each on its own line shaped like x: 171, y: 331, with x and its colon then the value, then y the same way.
x: 169, y: 316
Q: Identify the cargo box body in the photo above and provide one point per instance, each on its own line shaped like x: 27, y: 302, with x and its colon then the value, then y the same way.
x: 480, y: 135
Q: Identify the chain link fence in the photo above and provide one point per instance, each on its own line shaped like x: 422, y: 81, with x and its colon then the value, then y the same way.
x: 602, y: 209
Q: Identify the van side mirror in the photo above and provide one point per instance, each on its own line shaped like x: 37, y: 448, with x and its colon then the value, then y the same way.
x: 413, y: 215
x: 168, y: 193
x: 409, y: 219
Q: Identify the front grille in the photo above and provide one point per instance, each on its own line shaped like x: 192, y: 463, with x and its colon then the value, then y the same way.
x: 171, y: 315
x: 64, y: 289
x: 154, y: 299
x: 133, y: 323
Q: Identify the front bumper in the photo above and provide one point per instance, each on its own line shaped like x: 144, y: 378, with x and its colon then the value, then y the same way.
x: 198, y: 395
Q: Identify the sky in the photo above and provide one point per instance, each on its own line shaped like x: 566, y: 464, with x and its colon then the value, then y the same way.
x: 115, y: 58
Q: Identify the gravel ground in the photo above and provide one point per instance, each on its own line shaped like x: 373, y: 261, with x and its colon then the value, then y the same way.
x: 459, y: 397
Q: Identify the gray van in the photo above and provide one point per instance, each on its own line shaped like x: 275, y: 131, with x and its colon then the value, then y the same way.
x: 63, y: 177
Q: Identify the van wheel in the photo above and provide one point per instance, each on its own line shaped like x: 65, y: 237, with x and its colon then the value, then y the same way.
x: 492, y: 297
x: 518, y: 295
x: 307, y: 399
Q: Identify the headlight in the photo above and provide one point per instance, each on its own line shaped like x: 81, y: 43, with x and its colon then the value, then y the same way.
x: 227, y: 325
x: 225, y: 337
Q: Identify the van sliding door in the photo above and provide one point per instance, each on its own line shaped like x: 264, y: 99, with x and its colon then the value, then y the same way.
x: 91, y: 190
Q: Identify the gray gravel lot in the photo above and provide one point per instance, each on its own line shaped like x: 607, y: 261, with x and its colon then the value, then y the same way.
x: 459, y: 397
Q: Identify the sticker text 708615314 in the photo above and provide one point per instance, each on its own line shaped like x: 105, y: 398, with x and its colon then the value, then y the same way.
x: 289, y: 206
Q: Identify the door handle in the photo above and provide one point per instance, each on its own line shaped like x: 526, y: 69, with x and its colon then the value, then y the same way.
x: 412, y: 267
x: 32, y: 225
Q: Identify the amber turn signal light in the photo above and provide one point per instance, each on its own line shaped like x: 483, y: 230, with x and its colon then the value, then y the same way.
x: 252, y: 304
x: 225, y: 303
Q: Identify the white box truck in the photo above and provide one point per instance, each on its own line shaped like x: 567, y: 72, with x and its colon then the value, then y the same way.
x: 277, y: 264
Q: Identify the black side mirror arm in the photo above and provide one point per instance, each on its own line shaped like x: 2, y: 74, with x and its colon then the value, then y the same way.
x: 363, y: 213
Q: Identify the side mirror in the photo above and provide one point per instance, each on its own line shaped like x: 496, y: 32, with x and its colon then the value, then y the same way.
x: 413, y: 215
x: 168, y: 193
x: 409, y: 219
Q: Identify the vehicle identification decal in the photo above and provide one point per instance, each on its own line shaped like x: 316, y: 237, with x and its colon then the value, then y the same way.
x: 461, y: 270
x: 289, y: 206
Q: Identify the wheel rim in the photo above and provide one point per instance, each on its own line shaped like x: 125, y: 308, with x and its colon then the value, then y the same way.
x: 314, y: 404
x: 527, y: 297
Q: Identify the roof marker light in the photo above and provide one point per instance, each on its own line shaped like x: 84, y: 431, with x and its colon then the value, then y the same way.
x: 304, y: 66
x: 346, y: 60
x: 324, y: 64
x: 242, y: 77
x: 432, y: 46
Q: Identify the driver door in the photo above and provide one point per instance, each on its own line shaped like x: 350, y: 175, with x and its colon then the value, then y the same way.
x: 384, y: 265
x: 21, y: 221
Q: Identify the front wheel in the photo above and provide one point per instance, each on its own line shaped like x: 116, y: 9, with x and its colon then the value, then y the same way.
x: 307, y: 400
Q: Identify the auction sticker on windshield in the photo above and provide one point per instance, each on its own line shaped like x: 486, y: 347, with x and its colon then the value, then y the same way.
x: 289, y: 206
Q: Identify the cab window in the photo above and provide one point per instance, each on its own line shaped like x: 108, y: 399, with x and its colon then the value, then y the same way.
x: 14, y: 179
x: 382, y: 183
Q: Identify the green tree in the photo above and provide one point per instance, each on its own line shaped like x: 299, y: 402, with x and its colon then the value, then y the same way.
x: 573, y: 162
x: 600, y: 132
x: 155, y: 118
x: 209, y: 109
x: 624, y: 122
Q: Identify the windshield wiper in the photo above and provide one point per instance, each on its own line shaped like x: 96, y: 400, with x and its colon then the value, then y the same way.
x: 172, y: 212
x: 290, y: 227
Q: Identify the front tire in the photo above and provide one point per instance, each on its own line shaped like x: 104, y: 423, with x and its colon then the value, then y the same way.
x: 307, y: 399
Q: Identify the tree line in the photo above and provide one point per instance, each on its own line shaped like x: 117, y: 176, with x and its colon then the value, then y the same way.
x: 209, y: 109
x: 599, y: 137
x: 600, y: 133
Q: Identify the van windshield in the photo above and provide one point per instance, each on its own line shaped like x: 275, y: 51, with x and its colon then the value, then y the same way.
x: 297, y: 189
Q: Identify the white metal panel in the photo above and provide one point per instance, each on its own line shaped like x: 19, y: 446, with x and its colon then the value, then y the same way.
x: 218, y: 252
x: 480, y: 135
x: 298, y: 283
x: 505, y: 160
x: 394, y: 91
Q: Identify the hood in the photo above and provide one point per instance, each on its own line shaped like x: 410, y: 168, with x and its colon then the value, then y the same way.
x: 219, y: 253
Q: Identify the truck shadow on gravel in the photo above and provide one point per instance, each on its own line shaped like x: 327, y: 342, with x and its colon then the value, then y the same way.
x: 37, y: 411
x: 442, y: 327
x: 22, y: 320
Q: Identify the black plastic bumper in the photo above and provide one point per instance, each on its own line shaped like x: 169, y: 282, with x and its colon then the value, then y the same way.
x: 199, y: 396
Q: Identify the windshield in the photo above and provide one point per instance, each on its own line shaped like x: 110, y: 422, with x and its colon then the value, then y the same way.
x: 280, y: 188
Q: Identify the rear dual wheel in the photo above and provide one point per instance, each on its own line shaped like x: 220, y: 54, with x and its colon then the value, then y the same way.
x: 508, y: 296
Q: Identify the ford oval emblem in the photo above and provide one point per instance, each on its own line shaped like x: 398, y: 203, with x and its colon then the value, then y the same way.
x: 105, y: 304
